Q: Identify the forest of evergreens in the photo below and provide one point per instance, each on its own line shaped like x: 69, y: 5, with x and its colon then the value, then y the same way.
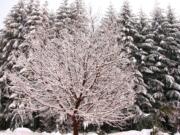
x: 151, y: 42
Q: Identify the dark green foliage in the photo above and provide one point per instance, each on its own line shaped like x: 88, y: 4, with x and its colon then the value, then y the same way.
x: 23, y: 19
x: 126, y: 27
x: 158, y: 59
x: 12, y: 35
x: 71, y: 17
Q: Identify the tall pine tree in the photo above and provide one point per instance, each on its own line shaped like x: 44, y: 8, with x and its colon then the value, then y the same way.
x: 13, y: 34
x: 80, y: 21
x: 140, y: 54
x: 63, y: 20
x: 23, y: 19
x: 36, y: 16
x: 158, y: 65
x: 109, y: 21
x: 126, y: 24
x: 127, y: 31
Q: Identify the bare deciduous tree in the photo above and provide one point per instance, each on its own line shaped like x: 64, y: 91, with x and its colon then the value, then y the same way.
x: 75, y: 78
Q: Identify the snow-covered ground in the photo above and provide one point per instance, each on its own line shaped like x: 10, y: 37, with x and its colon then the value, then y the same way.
x: 25, y: 131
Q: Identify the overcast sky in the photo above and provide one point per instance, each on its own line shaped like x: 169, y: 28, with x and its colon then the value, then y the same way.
x: 98, y: 6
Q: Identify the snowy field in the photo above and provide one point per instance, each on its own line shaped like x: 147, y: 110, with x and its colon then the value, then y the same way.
x: 24, y: 131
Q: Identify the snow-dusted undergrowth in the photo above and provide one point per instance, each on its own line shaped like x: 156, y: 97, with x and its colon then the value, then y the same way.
x: 25, y: 131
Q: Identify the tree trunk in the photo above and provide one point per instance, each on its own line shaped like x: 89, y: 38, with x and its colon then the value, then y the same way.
x: 75, y: 127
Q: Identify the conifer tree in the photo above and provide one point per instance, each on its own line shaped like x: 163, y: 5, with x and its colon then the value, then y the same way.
x: 79, y: 18
x: 126, y: 24
x: 172, y: 45
x: 45, y: 15
x: 159, y: 65
x: 126, y: 35
x: 140, y: 38
x: 63, y: 17
x: 109, y: 22
x: 152, y: 68
x: 35, y: 16
x: 12, y: 35
x: 23, y: 19
x: 52, y: 18
x: 71, y: 17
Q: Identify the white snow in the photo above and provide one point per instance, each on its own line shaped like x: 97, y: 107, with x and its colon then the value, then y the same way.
x: 22, y: 131
x: 25, y: 131
x: 133, y: 132
x: 7, y: 132
x: 85, y: 124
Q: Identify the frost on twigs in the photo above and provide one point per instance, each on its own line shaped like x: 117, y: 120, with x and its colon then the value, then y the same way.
x: 75, y: 77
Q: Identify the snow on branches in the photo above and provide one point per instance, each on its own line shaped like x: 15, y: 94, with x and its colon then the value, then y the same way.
x: 75, y: 78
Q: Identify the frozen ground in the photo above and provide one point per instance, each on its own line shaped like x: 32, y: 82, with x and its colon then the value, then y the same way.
x: 25, y: 131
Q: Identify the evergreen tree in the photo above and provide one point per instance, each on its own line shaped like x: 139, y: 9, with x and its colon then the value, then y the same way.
x: 170, y: 15
x: 63, y: 17
x: 127, y: 31
x: 23, y: 19
x: 71, y: 17
x: 152, y: 67
x: 159, y: 65
x: 36, y: 16
x: 52, y: 18
x: 140, y: 40
x: 126, y: 25
x: 172, y: 45
x: 13, y: 34
x: 165, y: 38
x: 79, y: 18
x: 109, y: 22
x: 45, y: 15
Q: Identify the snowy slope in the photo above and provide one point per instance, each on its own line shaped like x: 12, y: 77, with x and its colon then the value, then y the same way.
x: 25, y: 131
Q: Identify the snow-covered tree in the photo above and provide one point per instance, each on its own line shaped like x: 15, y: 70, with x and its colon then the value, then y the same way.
x: 126, y: 34
x: 71, y: 17
x: 140, y: 54
x: 79, y: 18
x: 0, y: 85
x: 142, y: 26
x: 109, y: 22
x: 45, y: 15
x: 158, y: 61
x: 170, y: 15
x: 52, y: 17
x: 75, y: 79
x: 151, y: 65
x: 36, y: 16
x: 13, y: 34
x: 63, y: 18
x: 172, y: 45
x: 93, y: 21
x: 108, y: 30
x: 127, y: 26
x: 165, y: 38
x: 23, y: 18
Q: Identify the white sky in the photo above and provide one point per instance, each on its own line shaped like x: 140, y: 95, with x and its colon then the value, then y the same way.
x: 98, y: 6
